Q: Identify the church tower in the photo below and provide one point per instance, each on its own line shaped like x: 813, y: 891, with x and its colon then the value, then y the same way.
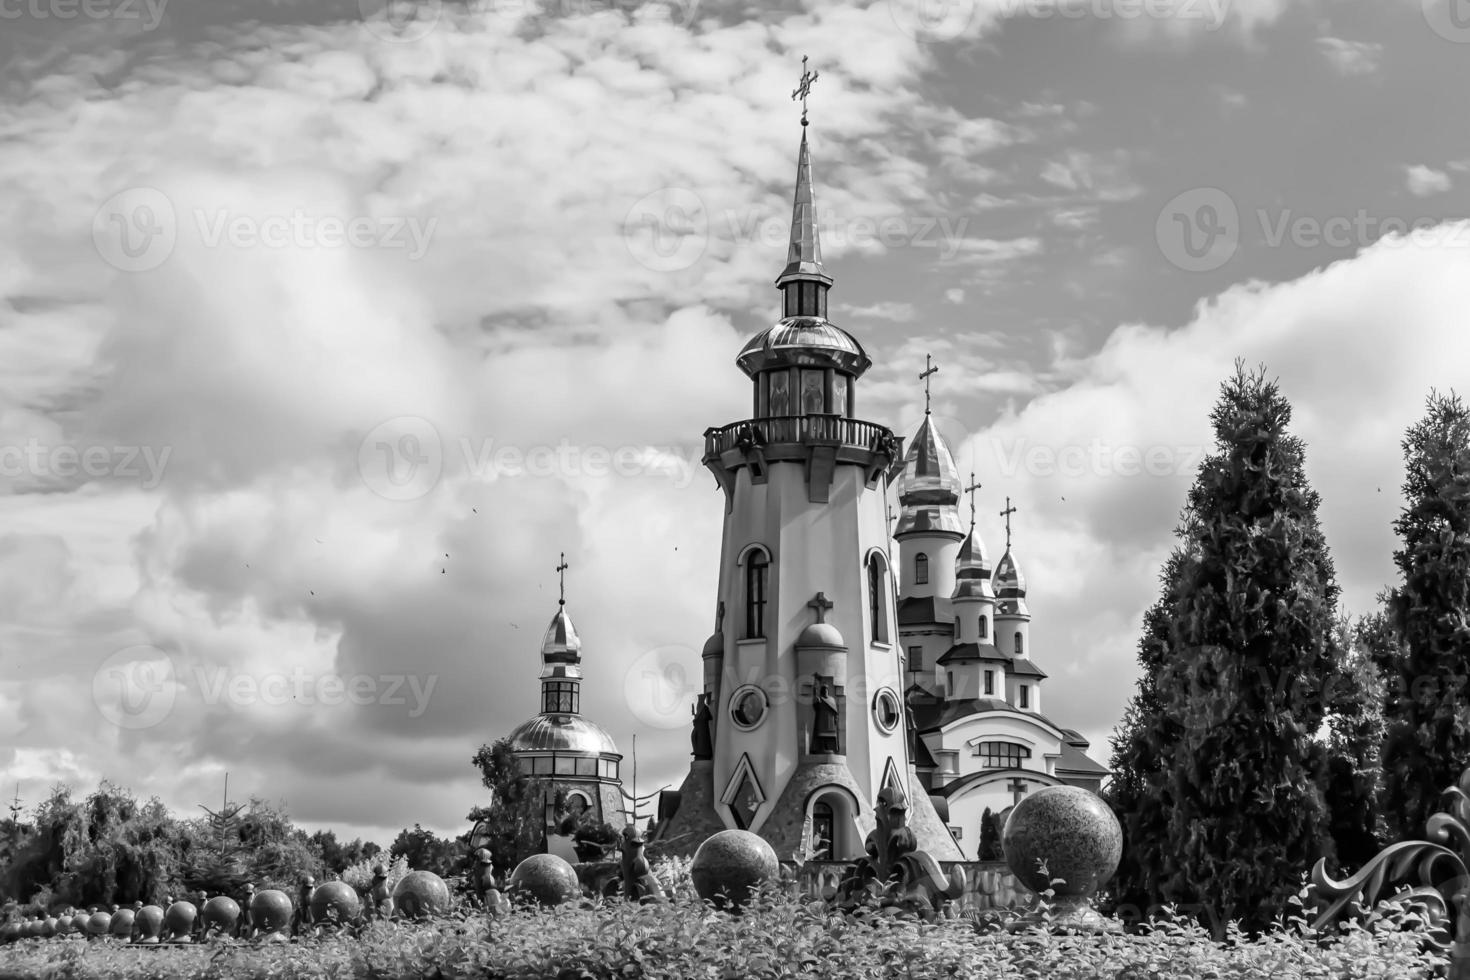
x: 802, y: 722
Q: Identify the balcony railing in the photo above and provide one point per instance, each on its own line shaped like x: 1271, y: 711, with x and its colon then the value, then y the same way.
x: 801, y: 429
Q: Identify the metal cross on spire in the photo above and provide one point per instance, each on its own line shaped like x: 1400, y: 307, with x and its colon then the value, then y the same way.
x: 930, y: 368
x: 1007, y: 515
x: 974, y: 485
x: 561, y: 571
x: 804, y: 88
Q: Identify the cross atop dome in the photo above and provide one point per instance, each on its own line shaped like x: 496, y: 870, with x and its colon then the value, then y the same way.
x: 930, y: 368
x: 561, y: 571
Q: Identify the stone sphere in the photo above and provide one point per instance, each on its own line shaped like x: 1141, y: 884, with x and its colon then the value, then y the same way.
x: 421, y: 893
x: 9, y: 932
x: 335, y: 896
x: 548, y: 879
x: 99, y: 923
x: 63, y: 925
x: 148, y: 923
x: 1073, y: 831
x: 730, y: 864
x: 270, y: 910
x: 48, y: 928
x: 221, y: 911
x: 179, y: 918
x: 122, y: 923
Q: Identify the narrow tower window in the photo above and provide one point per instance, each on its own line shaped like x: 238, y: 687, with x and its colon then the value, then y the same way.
x: 921, y: 569
x: 984, y: 627
x: 877, y: 600
x: 989, y: 683
x: 757, y: 572
x: 1020, y: 646
x: 1025, y: 695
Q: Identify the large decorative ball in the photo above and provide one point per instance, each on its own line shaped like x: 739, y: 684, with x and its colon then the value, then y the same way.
x: 420, y: 894
x: 1070, y: 829
x: 335, y: 897
x: 99, y: 923
x: 548, y: 879
x: 148, y: 923
x: 729, y: 865
x: 221, y: 911
x: 122, y: 924
x: 270, y: 910
x: 179, y: 918
x: 63, y: 925
x: 48, y: 928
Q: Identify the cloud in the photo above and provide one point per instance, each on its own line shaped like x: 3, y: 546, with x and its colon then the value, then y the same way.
x: 1425, y: 181
x: 1351, y: 58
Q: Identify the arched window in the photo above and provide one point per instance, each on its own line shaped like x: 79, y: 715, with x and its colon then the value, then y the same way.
x: 822, y: 828
x: 877, y: 599
x: 921, y: 569
x: 1020, y: 651
x: 1001, y: 755
x: 757, y: 581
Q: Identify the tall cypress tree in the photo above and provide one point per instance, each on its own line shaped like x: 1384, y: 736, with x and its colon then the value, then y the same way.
x: 1140, y: 746
x: 1428, y: 738
x: 1251, y: 656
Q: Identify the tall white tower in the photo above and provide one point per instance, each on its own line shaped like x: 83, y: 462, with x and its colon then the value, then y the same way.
x: 802, y: 720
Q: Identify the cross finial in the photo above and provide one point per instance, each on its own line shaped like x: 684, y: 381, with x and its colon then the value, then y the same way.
x: 561, y: 571
x: 1007, y: 515
x: 929, y: 369
x: 804, y: 88
x: 821, y: 604
x: 974, y: 485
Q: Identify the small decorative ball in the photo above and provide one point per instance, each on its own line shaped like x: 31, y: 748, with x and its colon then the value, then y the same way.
x: 730, y: 864
x: 48, y: 928
x: 270, y: 910
x: 221, y: 911
x: 63, y: 925
x: 99, y: 923
x: 548, y: 879
x: 1073, y: 831
x: 9, y: 932
x: 148, y: 924
x: 79, y: 923
x: 420, y: 894
x: 122, y: 924
x: 334, y: 897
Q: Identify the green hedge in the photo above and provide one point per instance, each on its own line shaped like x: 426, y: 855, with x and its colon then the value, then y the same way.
x: 779, y: 936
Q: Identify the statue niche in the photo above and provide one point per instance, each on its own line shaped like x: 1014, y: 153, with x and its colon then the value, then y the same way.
x: 826, y: 720
x: 702, y: 736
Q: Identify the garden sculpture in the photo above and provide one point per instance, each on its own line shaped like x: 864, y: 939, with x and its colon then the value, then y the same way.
x: 487, y: 891
x: 301, y: 921
x: 894, y: 872
x: 380, y: 896
x: 246, y: 927
x: 1442, y: 874
x: 701, y: 737
x: 639, y: 884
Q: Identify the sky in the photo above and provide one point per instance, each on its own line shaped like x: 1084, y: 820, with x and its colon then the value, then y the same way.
x: 326, y: 328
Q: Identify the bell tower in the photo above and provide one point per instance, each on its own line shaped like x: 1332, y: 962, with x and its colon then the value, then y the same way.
x: 802, y: 719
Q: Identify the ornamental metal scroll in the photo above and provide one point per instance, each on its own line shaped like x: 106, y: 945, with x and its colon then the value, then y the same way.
x: 1430, y: 874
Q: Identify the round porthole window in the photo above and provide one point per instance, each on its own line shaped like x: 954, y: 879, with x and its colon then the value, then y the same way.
x: 886, y: 710
x: 748, y: 707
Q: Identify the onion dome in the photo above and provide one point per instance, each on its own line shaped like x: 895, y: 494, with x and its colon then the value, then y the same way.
x: 1010, y: 586
x: 821, y: 635
x: 714, y: 646
x: 972, y: 569
x: 929, y: 485
x: 804, y: 341
x: 561, y: 644
x: 562, y: 733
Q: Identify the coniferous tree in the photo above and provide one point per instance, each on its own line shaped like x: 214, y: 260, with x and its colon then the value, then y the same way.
x: 1427, y: 743
x: 516, y: 816
x: 1140, y: 746
x: 989, y: 838
x: 1250, y: 659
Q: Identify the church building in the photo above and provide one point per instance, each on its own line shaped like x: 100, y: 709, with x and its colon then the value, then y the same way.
x: 560, y: 745
x: 973, y: 691
x: 801, y: 722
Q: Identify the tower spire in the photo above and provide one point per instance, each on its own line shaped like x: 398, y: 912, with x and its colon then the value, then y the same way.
x: 804, y: 281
